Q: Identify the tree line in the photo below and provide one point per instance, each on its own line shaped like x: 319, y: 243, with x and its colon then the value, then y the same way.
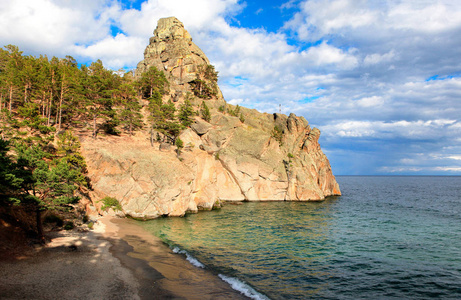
x: 42, y: 99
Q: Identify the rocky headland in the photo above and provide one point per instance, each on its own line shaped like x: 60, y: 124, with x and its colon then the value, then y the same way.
x: 239, y: 154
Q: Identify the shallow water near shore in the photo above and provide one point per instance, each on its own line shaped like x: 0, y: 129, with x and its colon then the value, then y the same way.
x: 386, y: 237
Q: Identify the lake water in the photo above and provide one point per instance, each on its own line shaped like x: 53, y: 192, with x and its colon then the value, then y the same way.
x: 385, y: 238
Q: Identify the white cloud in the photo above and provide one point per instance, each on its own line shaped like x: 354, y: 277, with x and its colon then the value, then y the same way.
x: 196, y: 15
x: 325, y: 54
x: 319, y: 18
x: 420, y: 16
x: 373, y: 101
x: 358, y: 70
x: 375, y: 58
x: 116, y: 52
x: 382, y: 129
x: 400, y: 169
x: 449, y: 169
x: 455, y: 157
x: 52, y: 26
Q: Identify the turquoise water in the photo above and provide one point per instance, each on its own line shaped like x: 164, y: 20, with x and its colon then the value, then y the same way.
x: 385, y: 238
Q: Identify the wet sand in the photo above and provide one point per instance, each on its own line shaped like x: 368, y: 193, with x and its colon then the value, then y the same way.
x: 116, y: 260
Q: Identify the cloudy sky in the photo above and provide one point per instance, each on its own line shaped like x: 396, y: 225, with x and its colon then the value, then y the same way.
x: 380, y: 79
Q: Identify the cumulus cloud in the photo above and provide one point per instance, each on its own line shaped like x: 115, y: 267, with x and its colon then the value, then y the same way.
x: 116, y: 52
x: 53, y: 26
x: 381, y: 79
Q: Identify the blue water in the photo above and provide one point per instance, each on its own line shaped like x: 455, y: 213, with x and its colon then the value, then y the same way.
x: 385, y: 238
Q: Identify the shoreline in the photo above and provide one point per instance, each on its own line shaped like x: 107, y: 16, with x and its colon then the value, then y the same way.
x: 160, y: 271
x: 117, y: 259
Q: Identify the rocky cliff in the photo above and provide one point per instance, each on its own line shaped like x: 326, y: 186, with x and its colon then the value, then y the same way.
x: 229, y: 158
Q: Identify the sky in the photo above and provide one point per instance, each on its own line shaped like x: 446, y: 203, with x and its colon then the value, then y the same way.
x: 381, y: 79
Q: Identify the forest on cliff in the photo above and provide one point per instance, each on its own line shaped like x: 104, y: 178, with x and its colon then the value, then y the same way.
x: 44, y: 102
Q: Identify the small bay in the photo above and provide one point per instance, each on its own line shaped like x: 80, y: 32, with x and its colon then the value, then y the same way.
x: 386, y: 237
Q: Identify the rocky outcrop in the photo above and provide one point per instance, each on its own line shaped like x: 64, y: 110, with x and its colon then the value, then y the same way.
x: 171, y: 49
x: 224, y: 159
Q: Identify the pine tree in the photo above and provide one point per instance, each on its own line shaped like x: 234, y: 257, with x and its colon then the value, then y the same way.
x: 129, y: 113
x: 151, y: 81
x: 10, y: 72
x: 47, y: 182
x: 205, y: 112
x: 67, y: 86
x: 185, y: 113
x: 99, y: 84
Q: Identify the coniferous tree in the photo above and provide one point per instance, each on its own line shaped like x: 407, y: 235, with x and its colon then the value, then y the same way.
x: 48, y: 183
x: 99, y: 85
x: 206, y: 84
x: 10, y: 72
x: 129, y: 113
x: 185, y: 113
x: 10, y: 182
x: 205, y: 112
x: 151, y: 81
x: 67, y: 86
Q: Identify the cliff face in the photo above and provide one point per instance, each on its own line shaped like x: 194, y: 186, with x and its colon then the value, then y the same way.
x: 171, y: 49
x: 223, y: 160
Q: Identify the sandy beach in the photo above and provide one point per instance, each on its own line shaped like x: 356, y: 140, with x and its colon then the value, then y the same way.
x: 115, y: 260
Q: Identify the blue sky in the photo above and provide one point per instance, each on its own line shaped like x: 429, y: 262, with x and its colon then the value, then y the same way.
x: 380, y: 79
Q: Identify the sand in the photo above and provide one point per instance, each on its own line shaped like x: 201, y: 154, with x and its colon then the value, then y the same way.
x: 115, y: 260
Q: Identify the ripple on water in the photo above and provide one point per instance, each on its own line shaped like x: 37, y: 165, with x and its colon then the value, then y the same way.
x: 386, y: 237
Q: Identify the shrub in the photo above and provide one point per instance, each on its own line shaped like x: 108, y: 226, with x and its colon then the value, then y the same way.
x: 290, y: 155
x: 179, y: 143
x: 277, y: 134
x: 69, y: 225
x: 54, y: 219
x: 242, y: 118
x: 90, y: 225
x: 234, y: 112
x: 205, y: 112
x: 109, y: 202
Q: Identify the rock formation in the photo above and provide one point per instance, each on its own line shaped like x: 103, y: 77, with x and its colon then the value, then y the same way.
x: 171, y: 49
x: 267, y: 157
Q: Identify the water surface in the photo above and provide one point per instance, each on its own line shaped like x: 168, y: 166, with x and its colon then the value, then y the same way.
x: 386, y: 237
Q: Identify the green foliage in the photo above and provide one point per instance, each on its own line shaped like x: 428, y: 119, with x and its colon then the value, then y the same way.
x: 69, y: 225
x: 99, y: 85
x: 129, y: 113
x: 222, y: 108
x: 47, y: 94
x: 110, y: 126
x: 36, y: 179
x: 185, y: 113
x: 68, y: 147
x: 277, y: 134
x: 110, y: 202
x: 290, y: 155
x: 179, y: 143
x: 234, y: 112
x: 39, y: 97
x: 241, y: 118
x: 11, y: 180
x: 90, y: 225
x: 206, y: 84
x: 205, y: 112
x: 163, y: 118
x: 151, y: 81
